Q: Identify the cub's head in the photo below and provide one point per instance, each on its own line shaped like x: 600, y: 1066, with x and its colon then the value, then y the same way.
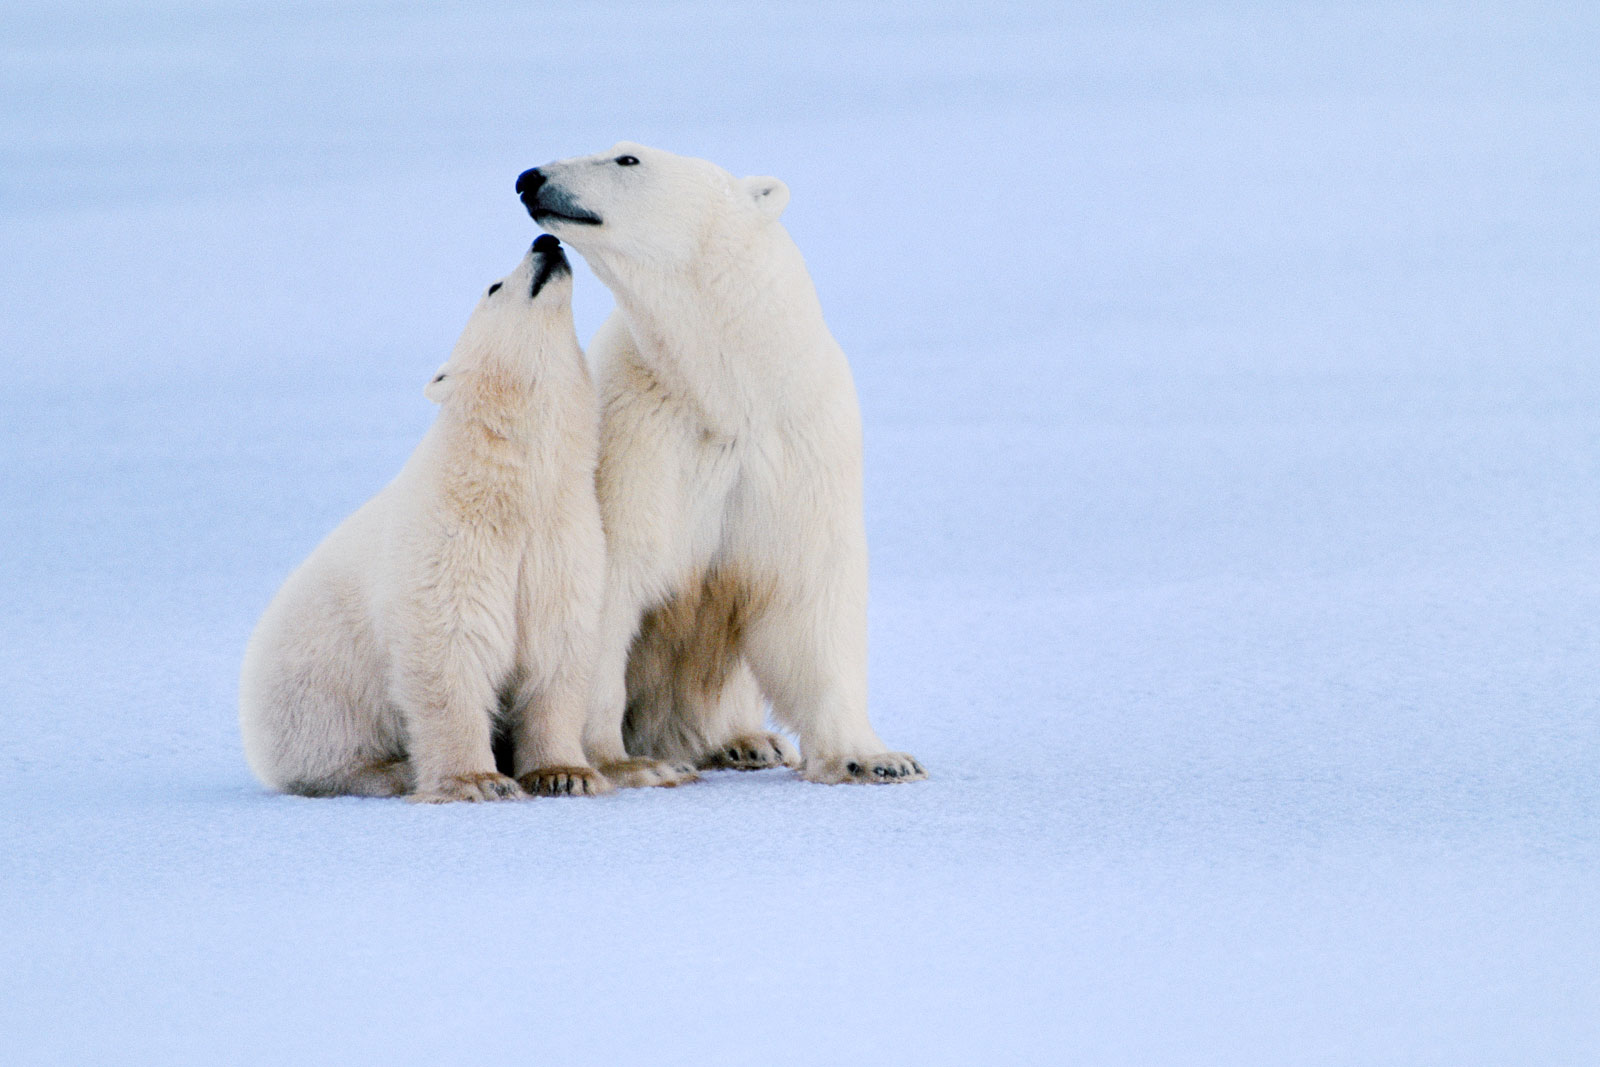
x: 643, y: 205
x: 517, y: 321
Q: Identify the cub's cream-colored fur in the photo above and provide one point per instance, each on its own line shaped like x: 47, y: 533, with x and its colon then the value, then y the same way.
x: 464, y: 595
x: 729, y: 481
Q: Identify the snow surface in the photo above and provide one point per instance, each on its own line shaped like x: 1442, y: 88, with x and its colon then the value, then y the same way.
x: 1233, y: 436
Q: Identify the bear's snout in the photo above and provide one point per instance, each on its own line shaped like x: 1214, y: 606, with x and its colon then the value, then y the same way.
x: 548, y: 202
x: 528, y: 183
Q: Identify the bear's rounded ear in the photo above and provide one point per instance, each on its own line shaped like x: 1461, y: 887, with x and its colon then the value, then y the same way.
x: 769, y: 195
x: 440, y: 385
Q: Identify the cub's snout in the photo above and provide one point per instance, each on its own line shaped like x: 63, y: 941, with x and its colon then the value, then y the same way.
x: 549, y: 262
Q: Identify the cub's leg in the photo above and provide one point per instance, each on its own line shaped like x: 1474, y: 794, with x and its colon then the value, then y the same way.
x: 387, y: 778
x: 547, y: 730
x: 378, y: 778
x: 691, y: 696
x: 313, y: 710
x: 558, y: 607
x: 447, y: 701
x: 547, y: 737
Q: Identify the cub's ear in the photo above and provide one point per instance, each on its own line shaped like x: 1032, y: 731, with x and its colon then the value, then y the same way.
x: 769, y: 195
x: 440, y: 385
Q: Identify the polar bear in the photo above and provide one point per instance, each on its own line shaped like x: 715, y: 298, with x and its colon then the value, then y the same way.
x: 464, y: 596
x: 729, y: 479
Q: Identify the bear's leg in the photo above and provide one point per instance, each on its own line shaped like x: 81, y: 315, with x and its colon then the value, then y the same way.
x: 691, y: 696
x: 807, y: 644
x: 602, y: 737
x: 735, y: 726
x: 659, y: 493
x: 651, y: 715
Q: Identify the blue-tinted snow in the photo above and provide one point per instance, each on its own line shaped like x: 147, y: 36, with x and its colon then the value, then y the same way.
x: 1231, y: 381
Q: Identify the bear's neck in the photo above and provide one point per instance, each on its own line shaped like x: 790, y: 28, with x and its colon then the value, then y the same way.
x: 738, y: 334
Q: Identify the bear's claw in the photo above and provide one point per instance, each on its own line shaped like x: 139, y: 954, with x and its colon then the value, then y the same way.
x: 752, y: 752
x: 564, y: 782
x: 885, y: 768
x: 471, y: 788
x: 639, y: 773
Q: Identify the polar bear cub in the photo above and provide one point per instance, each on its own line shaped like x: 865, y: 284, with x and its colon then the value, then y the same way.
x: 461, y: 598
x: 729, y: 479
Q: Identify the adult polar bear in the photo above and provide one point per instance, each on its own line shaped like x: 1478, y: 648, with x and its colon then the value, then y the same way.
x: 468, y: 588
x: 729, y: 478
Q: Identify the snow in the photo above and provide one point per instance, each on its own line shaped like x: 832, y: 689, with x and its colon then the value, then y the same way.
x: 1233, y: 431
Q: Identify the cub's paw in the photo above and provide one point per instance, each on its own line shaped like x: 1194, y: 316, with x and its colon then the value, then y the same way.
x: 472, y: 788
x: 885, y: 768
x: 752, y: 752
x: 637, y: 773
x: 564, y: 782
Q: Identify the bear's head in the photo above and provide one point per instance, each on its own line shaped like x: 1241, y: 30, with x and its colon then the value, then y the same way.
x: 516, y: 320
x: 644, y: 206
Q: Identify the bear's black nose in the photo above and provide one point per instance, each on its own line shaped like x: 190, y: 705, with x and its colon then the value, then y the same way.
x: 528, y: 183
x: 546, y: 243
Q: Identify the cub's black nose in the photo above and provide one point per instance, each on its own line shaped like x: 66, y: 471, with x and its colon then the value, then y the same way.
x: 528, y: 183
x: 546, y: 243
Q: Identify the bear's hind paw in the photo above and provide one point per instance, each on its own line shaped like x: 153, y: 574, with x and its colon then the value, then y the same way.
x: 752, y: 752
x: 640, y: 773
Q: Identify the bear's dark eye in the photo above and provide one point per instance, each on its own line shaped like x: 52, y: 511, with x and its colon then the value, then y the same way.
x: 495, y: 288
x: 627, y: 161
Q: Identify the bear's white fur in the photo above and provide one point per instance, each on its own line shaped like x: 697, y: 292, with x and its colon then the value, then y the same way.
x: 465, y: 592
x: 729, y: 481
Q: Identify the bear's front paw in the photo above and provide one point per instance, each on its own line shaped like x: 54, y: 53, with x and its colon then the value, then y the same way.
x: 885, y: 768
x: 639, y: 773
x: 752, y: 752
x: 475, y: 787
x: 564, y: 782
